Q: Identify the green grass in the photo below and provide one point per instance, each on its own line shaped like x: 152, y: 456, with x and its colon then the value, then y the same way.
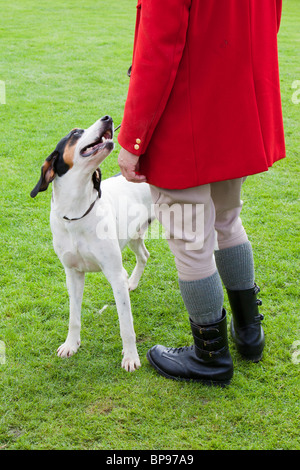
x: 64, y: 65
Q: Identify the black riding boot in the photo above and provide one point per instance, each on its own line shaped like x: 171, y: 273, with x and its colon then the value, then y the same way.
x: 246, y: 329
x: 207, y: 361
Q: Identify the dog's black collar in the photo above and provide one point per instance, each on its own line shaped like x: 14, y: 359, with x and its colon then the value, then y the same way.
x: 96, y: 182
x: 86, y: 213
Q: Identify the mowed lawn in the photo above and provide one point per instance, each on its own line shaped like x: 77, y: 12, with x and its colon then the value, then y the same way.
x: 64, y: 65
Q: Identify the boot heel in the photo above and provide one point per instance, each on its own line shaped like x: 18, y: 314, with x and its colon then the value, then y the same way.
x: 245, y: 326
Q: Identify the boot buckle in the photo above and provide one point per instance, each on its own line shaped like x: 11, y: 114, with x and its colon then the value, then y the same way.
x: 256, y: 289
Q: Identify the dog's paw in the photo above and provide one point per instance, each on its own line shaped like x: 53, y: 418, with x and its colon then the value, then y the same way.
x: 68, y: 349
x: 132, y: 284
x: 131, y: 362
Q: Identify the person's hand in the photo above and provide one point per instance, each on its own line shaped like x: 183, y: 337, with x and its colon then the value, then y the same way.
x: 129, y: 165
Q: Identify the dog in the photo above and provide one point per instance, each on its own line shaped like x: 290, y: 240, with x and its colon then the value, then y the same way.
x: 91, y: 222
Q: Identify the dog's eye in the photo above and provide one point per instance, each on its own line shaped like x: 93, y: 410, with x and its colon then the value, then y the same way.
x: 77, y: 132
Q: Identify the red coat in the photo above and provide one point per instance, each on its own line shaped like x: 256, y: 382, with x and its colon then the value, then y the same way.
x: 204, y: 100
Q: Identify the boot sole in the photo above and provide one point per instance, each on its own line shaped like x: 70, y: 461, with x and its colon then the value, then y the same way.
x: 222, y: 383
x: 254, y: 359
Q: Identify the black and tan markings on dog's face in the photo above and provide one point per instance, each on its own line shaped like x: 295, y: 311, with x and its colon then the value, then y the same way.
x: 59, y: 161
x: 65, y: 150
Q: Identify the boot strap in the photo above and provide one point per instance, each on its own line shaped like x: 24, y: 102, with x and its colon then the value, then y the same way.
x: 206, y: 354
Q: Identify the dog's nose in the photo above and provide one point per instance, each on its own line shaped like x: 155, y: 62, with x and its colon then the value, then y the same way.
x: 106, y: 118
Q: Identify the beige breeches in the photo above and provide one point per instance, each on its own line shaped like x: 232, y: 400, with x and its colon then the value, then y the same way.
x: 199, y: 220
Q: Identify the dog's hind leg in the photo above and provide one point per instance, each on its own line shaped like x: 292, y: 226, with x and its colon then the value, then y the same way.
x: 75, y: 285
x: 142, y: 255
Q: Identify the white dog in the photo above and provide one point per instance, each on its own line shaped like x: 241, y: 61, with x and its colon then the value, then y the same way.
x: 91, y: 224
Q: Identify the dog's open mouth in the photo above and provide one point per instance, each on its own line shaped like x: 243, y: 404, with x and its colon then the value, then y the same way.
x: 98, y: 145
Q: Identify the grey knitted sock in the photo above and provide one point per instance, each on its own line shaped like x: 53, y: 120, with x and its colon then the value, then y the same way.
x: 203, y: 299
x: 236, y: 266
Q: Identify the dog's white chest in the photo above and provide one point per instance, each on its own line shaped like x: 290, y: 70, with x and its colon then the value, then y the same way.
x: 76, y: 251
x: 81, y: 262
x: 80, y: 257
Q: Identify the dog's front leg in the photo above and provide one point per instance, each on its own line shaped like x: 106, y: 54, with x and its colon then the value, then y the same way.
x: 119, y: 285
x: 75, y: 285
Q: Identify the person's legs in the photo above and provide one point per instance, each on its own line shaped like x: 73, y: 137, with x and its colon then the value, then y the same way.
x: 188, y: 217
x: 235, y: 264
x: 234, y: 257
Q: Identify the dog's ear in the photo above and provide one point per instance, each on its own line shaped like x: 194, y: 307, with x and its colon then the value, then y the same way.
x: 47, y: 174
x: 97, y: 180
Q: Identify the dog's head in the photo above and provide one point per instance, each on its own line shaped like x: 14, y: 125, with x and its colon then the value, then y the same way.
x: 81, y: 148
